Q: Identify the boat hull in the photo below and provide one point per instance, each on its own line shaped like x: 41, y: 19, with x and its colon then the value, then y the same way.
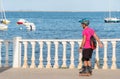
x: 19, y: 22
x: 112, y: 20
x: 3, y: 27
x: 5, y: 21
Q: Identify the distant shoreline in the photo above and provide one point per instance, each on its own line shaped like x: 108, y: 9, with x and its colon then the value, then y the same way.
x: 61, y: 11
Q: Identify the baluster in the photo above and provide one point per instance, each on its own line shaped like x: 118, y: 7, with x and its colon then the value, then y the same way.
x: 114, y: 55
x: 105, y: 66
x: 48, y: 57
x: 33, y: 55
x: 41, y: 55
x: 72, y: 55
x: 64, y: 54
x: 6, y: 63
x: 25, y: 65
x: 80, y: 57
x: 0, y: 55
x: 19, y: 54
x: 97, y: 58
x: 56, y: 55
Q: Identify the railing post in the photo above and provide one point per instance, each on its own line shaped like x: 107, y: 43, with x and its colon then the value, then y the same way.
x: 114, y: 55
x: 6, y: 61
x: 41, y: 55
x: 72, y: 55
x: 33, y: 55
x: 16, y: 52
x: 25, y: 65
x: 64, y: 54
x: 56, y: 55
x: 97, y: 58
x: 80, y: 57
x: 105, y: 66
x: 0, y: 55
x: 48, y: 57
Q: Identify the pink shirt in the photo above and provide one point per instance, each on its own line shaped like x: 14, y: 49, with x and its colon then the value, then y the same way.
x: 87, y: 32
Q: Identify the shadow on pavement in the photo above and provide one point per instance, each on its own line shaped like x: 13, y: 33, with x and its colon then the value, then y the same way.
x: 2, y: 69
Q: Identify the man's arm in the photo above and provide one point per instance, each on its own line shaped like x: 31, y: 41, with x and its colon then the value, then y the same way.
x: 83, y: 43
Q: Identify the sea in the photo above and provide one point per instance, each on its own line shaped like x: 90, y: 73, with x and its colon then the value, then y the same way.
x: 61, y: 25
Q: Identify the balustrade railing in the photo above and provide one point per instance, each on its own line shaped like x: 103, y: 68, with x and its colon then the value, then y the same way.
x: 55, y: 53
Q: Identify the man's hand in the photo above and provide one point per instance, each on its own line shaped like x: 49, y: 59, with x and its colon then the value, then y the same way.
x: 100, y: 45
x: 80, y: 50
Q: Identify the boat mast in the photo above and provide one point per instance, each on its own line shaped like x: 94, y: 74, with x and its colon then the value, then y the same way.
x: 2, y: 10
x: 109, y: 9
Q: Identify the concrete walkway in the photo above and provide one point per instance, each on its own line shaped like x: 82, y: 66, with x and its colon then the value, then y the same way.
x: 19, y: 73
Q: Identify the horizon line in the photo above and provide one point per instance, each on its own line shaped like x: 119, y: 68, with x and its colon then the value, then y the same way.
x: 52, y: 11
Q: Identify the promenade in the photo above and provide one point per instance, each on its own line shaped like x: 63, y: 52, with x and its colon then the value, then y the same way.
x: 36, y: 73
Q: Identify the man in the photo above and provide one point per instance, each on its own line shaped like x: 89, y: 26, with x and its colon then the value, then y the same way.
x: 85, y: 46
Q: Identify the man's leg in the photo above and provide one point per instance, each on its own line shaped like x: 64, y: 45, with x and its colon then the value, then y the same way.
x: 85, y: 59
x: 89, y: 66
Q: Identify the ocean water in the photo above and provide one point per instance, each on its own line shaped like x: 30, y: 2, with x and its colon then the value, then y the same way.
x: 61, y: 25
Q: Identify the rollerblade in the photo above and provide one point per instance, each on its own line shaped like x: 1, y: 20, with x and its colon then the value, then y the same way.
x: 90, y: 70
x: 84, y: 72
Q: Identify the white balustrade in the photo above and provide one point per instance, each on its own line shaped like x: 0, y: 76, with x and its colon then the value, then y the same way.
x: 41, y: 55
x: 80, y: 57
x: 20, y: 54
x: 33, y: 55
x: 56, y: 55
x: 0, y: 55
x: 105, y: 66
x: 48, y: 57
x: 6, y: 62
x: 113, y: 55
x: 72, y: 55
x: 64, y: 54
x: 97, y: 58
x: 18, y: 49
x: 25, y: 65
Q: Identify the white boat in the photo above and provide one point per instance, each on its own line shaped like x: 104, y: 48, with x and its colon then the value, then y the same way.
x: 21, y: 21
x: 30, y: 26
x: 3, y: 27
x: 111, y: 19
x: 3, y: 20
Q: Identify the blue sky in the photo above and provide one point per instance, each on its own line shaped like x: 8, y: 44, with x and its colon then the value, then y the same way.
x: 61, y: 5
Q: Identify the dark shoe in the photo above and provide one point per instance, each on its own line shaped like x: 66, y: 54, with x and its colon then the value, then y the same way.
x: 90, y: 69
x: 82, y: 69
x: 84, y: 72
